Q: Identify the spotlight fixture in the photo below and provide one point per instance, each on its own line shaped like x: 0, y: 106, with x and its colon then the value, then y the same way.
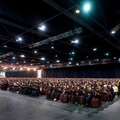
x: 42, y: 27
x: 13, y: 58
x: 94, y: 49
x: 69, y: 63
x: 52, y: 47
x: 42, y: 58
x: 35, y: 51
x: 87, y: 7
x: 107, y: 54
x: 24, y: 61
x: 97, y: 59
x: 5, y: 45
x: 71, y: 59
x: 22, y: 56
x: 19, y: 39
x: 72, y: 52
x: 77, y: 11
x: 56, y: 55
x: 28, y: 69
x: 113, y: 32
x: 51, y: 65
x: 34, y: 69
x: 75, y: 41
x: 58, y: 61
x: 48, y: 62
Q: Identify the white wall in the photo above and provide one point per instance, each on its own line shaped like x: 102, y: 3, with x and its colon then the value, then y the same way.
x: 2, y: 74
x: 39, y: 75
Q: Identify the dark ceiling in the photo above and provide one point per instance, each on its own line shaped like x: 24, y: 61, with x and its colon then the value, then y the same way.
x: 20, y: 19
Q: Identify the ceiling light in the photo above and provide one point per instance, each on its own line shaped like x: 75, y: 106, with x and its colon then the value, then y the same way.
x: 87, y: 7
x: 28, y: 69
x: 75, y: 41
x: 97, y: 59
x: 5, y: 45
x: 73, y: 53
x: 51, y: 65
x: 22, y: 56
x: 13, y: 68
x: 114, y: 58
x: 21, y: 68
x: 69, y: 63
x: 42, y: 58
x: 119, y: 59
x: 58, y: 61
x: 13, y: 58
x: 19, y: 39
x: 48, y: 62
x: 42, y: 27
x: 56, y: 55
x: 77, y: 11
x: 5, y: 67
x: 89, y: 62
x: 71, y: 58
x: 107, y: 54
x: 94, y: 49
x: 113, y: 32
x: 35, y: 51
x: 52, y: 47
x: 34, y: 69
x: 77, y: 63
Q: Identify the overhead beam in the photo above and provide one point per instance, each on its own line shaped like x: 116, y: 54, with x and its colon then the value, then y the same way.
x: 7, y: 22
x: 57, y: 37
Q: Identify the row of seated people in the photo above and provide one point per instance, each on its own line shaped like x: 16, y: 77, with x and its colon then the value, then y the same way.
x: 88, y: 92
x: 30, y: 89
x: 91, y: 97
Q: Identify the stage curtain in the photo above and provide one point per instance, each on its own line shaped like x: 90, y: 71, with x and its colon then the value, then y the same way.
x: 93, y: 71
x: 21, y: 74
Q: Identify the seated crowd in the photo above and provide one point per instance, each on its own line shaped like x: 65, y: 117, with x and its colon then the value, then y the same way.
x: 89, y: 92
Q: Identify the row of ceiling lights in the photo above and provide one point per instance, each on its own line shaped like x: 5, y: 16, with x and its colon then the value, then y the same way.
x: 52, y: 65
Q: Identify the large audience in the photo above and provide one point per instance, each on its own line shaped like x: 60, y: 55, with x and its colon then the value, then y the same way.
x: 89, y: 92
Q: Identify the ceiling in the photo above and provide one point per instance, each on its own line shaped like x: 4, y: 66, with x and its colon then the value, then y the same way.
x: 20, y: 19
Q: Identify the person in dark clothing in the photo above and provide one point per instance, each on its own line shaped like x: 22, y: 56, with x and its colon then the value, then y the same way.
x: 96, y: 100
x: 88, y: 99
x: 4, y: 86
x: 111, y: 92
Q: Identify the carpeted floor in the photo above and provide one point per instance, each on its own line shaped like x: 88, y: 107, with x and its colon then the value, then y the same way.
x: 20, y: 107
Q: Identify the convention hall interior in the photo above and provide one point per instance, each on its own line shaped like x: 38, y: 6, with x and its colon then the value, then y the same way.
x: 59, y: 59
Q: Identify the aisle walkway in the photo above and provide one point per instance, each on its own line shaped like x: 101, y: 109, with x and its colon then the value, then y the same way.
x: 20, y: 107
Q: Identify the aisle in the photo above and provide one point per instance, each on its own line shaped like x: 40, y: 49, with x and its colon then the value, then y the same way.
x: 20, y: 107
